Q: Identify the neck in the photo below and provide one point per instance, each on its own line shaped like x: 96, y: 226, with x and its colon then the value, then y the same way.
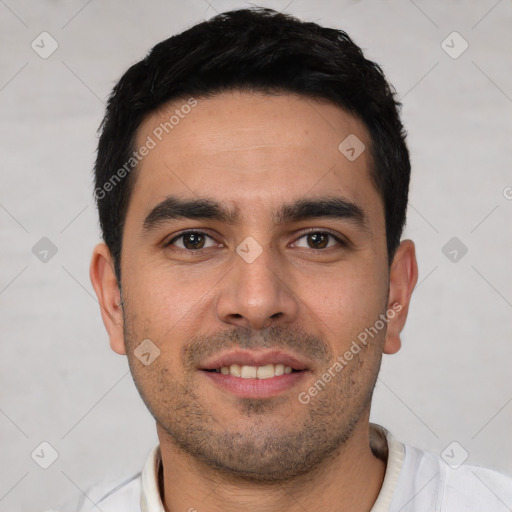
x: 349, y: 480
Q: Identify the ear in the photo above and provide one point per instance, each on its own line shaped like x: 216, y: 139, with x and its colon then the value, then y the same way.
x: 403, y: 276
x: 104, y: 282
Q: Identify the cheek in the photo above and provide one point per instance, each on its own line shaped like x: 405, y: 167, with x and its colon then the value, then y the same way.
x: 156, y: 284
x: 165, y: 299
x: 349, y: 301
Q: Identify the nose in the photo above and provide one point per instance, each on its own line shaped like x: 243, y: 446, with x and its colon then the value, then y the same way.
x: 256, y: 294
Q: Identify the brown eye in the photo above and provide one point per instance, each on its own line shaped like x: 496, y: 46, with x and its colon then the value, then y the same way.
x: 318, y: 240
x: 191, y: 240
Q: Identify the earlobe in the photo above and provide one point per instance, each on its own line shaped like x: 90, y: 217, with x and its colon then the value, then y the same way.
x: 403, y: 277
x: 105, y: 285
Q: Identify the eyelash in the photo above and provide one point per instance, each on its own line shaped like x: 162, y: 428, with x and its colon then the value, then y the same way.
x: 341, y: 242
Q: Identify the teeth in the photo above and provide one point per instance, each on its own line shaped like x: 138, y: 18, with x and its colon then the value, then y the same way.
x: 279, y: 369
x: 255, y: 372
x: 249, y: 372
x: 234, y: 369
x: 265, y: 372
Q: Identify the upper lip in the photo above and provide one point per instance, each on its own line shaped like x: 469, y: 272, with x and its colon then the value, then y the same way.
x: 254, y: 358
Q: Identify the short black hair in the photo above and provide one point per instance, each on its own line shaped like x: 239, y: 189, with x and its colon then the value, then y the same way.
x: 255, y: 50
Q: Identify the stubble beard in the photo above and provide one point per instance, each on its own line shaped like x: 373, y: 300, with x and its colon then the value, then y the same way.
x: 260, y: 445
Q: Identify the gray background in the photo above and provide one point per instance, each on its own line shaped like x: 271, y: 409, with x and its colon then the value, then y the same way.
x: 59, y: 380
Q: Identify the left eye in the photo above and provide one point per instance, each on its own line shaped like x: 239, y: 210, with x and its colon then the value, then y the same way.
x: 318, y: 240
x: 192, y: 240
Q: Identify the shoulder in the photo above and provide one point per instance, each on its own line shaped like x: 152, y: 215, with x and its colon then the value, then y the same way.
x: 476, y: 488
x: 125, y: 494
x: 108, y: 495
x: 448, y: 487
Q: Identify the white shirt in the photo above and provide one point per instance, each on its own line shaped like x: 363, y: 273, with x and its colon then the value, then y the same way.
x: 415, y: 481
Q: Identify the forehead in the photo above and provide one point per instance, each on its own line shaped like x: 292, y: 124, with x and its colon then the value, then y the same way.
x: 253, y: 150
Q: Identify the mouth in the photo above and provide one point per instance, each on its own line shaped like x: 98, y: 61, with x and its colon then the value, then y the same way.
x: 259, y: 374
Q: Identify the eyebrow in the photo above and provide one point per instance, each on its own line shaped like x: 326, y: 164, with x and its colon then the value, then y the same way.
x: 330, y: 207
x: 172, y: 208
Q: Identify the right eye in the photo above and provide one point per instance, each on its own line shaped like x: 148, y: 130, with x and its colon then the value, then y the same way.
x: 191, y: 241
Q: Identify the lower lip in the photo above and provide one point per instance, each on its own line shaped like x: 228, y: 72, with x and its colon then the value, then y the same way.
x: 255, y: 388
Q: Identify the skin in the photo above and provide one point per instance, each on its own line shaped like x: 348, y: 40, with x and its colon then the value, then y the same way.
x: 255, y: 152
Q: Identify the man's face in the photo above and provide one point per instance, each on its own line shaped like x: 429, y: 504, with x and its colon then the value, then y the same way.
x: 293, y: 285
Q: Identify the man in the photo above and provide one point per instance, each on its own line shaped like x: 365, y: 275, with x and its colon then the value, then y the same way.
x: 252, y: 180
